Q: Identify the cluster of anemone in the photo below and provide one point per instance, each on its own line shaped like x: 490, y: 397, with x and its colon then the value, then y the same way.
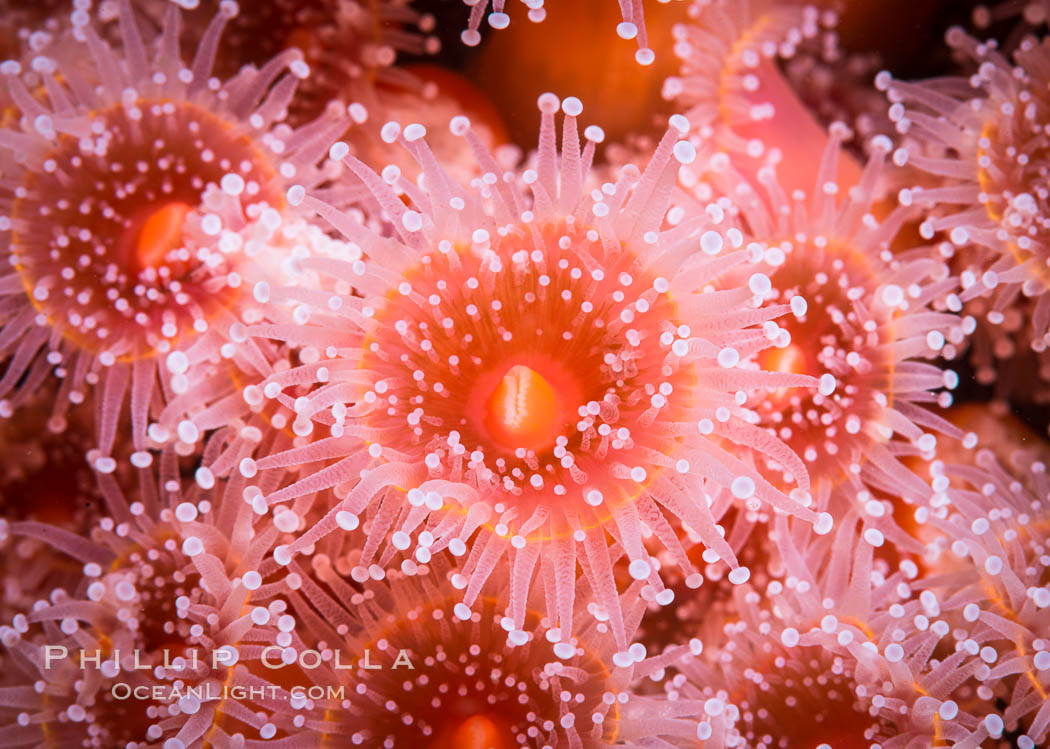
x: 330, y: 418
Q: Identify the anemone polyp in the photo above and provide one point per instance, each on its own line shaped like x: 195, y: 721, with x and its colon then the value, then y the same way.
x: 985, y: 136
x: 786, y: 682
x: 117, y: 260
x: 572, y: 289
x: 172, y: 583
x: 511, y: 379
x: 863, y: 319
x: 768, y: 658
x: 424, y: 669
x: 847, y: 331
x: 78, y: 709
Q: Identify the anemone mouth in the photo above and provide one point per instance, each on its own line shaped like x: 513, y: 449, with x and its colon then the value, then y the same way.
x: 525, y: 403
x: 100, y: 233
x: 538, y: 369
x: 479, y: 731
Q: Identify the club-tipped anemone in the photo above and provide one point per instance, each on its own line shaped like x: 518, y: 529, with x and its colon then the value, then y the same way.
x: 756, y: 687
x: 867, y: 321
x: 536, y: 356
x: 77, y: 708
x: 983, y: 137
x: 118, y: 261
x: 176, y: 574
x: 735, y: 95
x: 960, y: 632
x: 417, y: 666
x: 869, y: 318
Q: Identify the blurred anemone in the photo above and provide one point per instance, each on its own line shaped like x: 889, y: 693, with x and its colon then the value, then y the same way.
x: 351, y: 46
x: 47, y: 478
x: 984, y: 137
x: 119, y: 265
x: 813, y: 641
x: 1033, y: 12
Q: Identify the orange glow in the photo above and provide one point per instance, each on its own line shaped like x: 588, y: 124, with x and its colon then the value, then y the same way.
x: 160, y: 233
x: 477, y: 732
x: 524, y: 410
x: 790, y: 359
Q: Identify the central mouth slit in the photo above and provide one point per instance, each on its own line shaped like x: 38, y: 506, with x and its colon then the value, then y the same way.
x: 528, y: 406
x: 523, y: 410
